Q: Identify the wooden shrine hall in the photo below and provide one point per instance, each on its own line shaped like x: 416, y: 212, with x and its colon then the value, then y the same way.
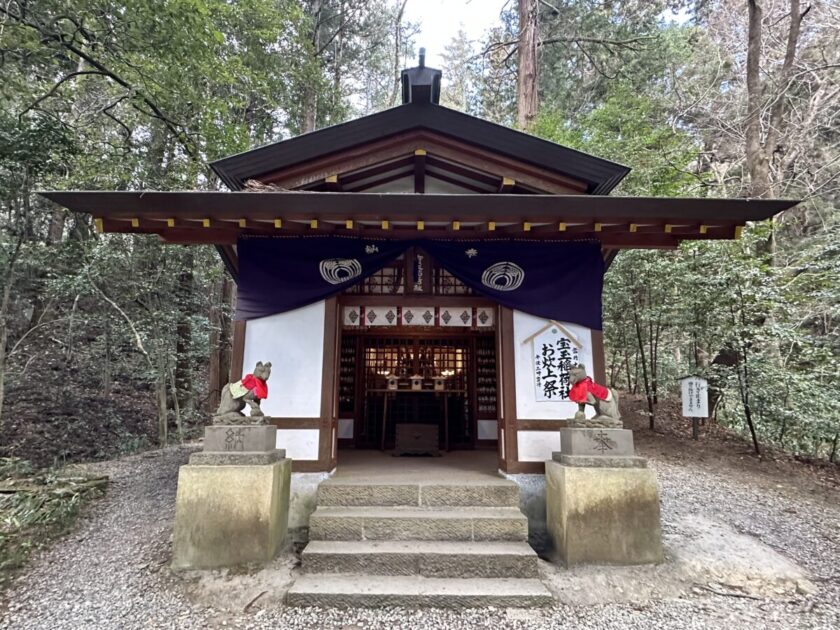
x: 410, y: 356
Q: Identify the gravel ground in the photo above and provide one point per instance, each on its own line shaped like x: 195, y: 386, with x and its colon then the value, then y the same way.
x: 112, y: 572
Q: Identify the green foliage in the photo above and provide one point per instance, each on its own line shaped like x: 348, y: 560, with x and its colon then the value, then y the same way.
x: 36, y: 506
x: 632, y: 129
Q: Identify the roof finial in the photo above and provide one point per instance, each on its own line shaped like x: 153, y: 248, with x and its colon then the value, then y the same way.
x: 422, y: 58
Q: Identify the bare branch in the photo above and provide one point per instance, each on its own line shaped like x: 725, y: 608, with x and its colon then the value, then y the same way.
x: 54, y: 88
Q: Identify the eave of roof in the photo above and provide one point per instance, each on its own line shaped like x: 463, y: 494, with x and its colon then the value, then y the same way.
x: 377, y: 206
x: 221, y: 217
x: 600, y: 175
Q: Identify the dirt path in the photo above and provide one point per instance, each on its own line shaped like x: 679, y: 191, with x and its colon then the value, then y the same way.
x: 112, y: 572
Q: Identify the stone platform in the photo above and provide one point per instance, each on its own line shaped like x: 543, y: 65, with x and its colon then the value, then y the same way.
x: 232, y: 504
x: 602, y: 501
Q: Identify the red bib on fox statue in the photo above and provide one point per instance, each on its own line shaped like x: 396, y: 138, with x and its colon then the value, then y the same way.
x: 580, y: 390
x: 256, y: 385
x: 584, y: 391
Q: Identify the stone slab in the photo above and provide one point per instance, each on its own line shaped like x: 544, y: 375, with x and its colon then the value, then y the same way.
x: 335, y: 492
x: 612, y: 442
x: 470, y: 495
x: 234, y: 458
x: 375, y: 591
x: 599, y: 461
x: 226, y: 438
x: 400, y: 523
x: 603, y: 515
x: 230, y: 515
x: 426, y: 558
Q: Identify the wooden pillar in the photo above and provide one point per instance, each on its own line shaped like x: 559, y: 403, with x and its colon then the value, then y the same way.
x: 507, y: 389
x: 599, y: 362
x: 329, y: 391
x: 237, y: 351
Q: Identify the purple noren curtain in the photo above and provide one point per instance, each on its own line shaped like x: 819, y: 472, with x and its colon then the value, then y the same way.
x: 559, y: 280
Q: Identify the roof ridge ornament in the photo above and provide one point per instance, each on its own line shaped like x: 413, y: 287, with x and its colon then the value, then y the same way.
x: 421, y: 84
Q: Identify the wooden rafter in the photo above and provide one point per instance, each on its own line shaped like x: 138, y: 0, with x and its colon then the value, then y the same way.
x: 420, y: 170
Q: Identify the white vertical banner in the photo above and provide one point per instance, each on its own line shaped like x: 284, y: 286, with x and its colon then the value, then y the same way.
x: 695, y: 397
x: 555, y: 352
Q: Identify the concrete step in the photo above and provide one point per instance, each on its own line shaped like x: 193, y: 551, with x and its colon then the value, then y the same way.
x: 374, y: 591
x: 491, y: 493
x: 418, y: 523
x: 440, y: 559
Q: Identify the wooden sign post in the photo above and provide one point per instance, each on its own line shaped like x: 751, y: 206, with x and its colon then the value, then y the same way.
x: 695, y: 401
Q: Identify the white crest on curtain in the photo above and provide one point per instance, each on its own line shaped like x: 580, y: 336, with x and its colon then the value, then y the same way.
x: 503, y: 276
x: 338, y: 270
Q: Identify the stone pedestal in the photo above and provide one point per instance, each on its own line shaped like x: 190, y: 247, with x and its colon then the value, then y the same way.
x: 232, y: 506
x: 602, y: 501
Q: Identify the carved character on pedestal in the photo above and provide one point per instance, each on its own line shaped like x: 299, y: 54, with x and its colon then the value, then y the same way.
x: 249, y: 391
x: 584, y: 391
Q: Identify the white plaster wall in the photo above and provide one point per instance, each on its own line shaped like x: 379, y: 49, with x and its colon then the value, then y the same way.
x: 294, y: 343
x: 537, y: 446
x: 300, y: 444
x: 527, y: 406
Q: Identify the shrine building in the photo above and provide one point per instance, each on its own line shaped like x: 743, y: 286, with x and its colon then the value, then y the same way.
x: 420, y: 279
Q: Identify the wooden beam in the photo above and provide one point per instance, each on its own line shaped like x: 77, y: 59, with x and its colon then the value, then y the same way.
x: 457, y: 182
x: 386, y: 179
x: 506, y: 185
x: 490, y: 181
x: 332, y: 184
x: 377, y: 169
x: 420, y: 170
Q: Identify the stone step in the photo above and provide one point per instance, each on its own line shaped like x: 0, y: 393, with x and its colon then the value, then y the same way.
x: 491, y: 493
x: 374, y: 591
x: 427, y: 558
x: 418, y: 523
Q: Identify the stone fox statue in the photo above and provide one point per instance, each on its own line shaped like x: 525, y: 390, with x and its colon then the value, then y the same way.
x: 584, y: 391
x: 249, y: 391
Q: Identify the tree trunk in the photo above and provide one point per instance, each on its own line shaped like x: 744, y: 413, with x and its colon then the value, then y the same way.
x: 648, y: 392
x: 179, y: 424
x: 107, y: 369
x: 757, y: 161
x: 395, y: 90
x: 183, y: 343
x: 760, y: 153
x: 527, y: 73
x: 310, y: 93
x: 160, y: 391
x: 220, y: 346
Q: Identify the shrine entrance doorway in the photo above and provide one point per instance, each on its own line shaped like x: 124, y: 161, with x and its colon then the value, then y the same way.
x: 425, y: 393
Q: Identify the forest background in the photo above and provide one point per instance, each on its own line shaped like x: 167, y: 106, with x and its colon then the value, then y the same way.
x: 111, y: 343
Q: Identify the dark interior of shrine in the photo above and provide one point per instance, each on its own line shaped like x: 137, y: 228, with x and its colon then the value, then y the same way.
x: 418, y: 389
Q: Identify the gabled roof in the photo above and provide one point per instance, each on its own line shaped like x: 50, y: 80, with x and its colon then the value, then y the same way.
x: 600, y: 176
